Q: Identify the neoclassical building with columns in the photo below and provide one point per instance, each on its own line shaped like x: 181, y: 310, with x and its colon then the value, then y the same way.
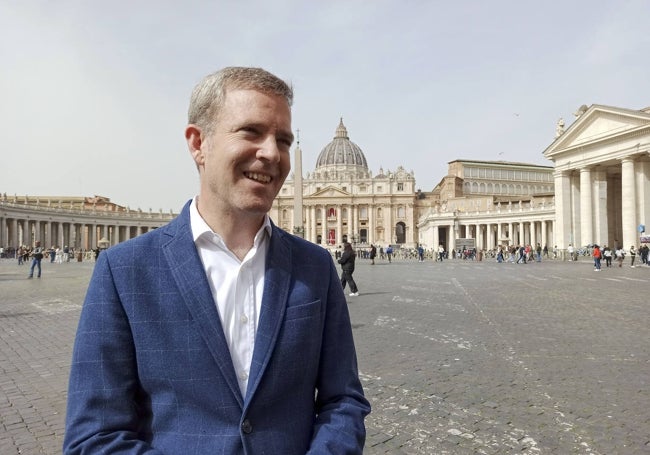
x: 602, y: 177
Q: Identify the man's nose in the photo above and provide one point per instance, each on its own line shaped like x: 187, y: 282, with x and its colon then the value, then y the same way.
x: 269, y: 149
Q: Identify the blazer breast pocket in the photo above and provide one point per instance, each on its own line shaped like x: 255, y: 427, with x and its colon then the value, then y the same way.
x: 297, y: 352
x: 305, y: 310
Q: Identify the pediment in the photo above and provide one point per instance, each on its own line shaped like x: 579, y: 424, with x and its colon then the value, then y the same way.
x: 331, y: 191
x: 598, y: 123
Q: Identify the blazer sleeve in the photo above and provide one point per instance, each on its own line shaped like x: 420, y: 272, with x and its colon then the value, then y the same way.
x: 340, y: 403
x: 104, y: 409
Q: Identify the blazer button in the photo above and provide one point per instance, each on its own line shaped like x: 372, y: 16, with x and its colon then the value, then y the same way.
x: 246, y: 426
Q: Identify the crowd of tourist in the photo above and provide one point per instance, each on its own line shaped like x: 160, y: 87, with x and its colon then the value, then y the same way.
x: 516, y: 254
x: 54, y: 254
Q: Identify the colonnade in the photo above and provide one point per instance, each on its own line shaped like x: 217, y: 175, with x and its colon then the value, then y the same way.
x: 489, y: 229
x: 604, y: 204
x: 23, y: 225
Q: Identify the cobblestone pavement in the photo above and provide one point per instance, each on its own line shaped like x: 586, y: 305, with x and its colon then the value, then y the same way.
x: 459, y: 357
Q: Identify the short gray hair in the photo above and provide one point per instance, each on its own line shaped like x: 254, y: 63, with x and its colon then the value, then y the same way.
x: 208, y: 96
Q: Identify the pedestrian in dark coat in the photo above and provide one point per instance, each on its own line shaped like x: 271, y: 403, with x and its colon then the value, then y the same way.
x: 347, y: 267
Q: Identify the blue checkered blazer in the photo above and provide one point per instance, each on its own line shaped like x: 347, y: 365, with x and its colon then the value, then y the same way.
x: 151, y: 371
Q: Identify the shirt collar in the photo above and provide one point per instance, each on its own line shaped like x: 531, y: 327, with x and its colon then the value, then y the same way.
x: 200, y: 227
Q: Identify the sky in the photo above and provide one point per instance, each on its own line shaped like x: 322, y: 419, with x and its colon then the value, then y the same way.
x: 94, y: 94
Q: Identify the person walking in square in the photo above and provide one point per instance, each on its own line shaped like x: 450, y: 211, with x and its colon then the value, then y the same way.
x: 597, y: 257
x: 347, y: 267
x: 632, y: 256
x: 37, y: 256
x: 373, y: 254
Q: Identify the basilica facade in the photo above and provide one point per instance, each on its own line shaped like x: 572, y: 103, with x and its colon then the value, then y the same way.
x: 341, y: 200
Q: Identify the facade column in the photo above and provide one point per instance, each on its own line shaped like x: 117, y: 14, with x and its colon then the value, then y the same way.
x: 339, y: 224
x: 642, y: 192
x: 313, y: 232
x: 73, y: 236
x: 628, y: 206
x: 562, y: 209
x: 93, y: 236
x: 324, y: 226
x: 544, y: 241
x: 436, y: 239
x: 522, y: 233
x: 499, y: 233
x: 533, y: 234
x: 3, y: 232
x: 14, y: 233
x: 59, y: 235
x: 586, y: 211
x: 371, y: 224
x: 599, y: 207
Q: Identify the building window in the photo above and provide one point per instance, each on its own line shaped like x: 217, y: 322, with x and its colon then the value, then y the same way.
x: 363, y: 213
x: 400, y: 212
x: 380, y: 189
x: 400, y: 186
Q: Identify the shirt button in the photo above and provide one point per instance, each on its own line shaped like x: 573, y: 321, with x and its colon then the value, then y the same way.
x: 243, y: 318
x: 243, y: 375
x: 246, y: 426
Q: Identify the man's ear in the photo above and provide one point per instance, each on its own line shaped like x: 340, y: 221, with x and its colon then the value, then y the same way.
x: 195, y: 143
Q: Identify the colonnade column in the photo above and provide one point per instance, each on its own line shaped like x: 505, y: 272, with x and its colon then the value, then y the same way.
x: 628, y: 193
x: 499, y: 233
x: 544, y: 241
x: 586, y: 212
x: 642, y: 169
x: 14, y: 234
x: 436, y: 239
x: 562, y: 209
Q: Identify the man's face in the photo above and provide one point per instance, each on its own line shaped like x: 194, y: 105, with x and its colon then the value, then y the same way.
x: 245, y: 159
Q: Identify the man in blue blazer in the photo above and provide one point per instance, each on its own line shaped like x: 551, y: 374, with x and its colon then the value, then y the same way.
x: 219, y: 333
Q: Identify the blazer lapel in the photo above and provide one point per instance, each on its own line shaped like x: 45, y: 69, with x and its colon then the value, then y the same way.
x: 187, y: 270
x: 276, y: 289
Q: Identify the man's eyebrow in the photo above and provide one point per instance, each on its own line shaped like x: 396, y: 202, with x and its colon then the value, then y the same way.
x: 287, y: 135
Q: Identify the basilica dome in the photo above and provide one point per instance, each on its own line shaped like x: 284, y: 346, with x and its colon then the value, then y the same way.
x: 341, y: 158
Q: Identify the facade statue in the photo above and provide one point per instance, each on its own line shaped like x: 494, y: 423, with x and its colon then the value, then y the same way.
x: 559, y: 128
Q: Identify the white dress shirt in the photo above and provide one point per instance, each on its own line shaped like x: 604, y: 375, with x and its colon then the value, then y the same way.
x: 236, y: 286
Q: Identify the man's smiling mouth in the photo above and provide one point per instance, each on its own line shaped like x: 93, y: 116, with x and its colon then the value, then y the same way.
x: 258, y: 177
